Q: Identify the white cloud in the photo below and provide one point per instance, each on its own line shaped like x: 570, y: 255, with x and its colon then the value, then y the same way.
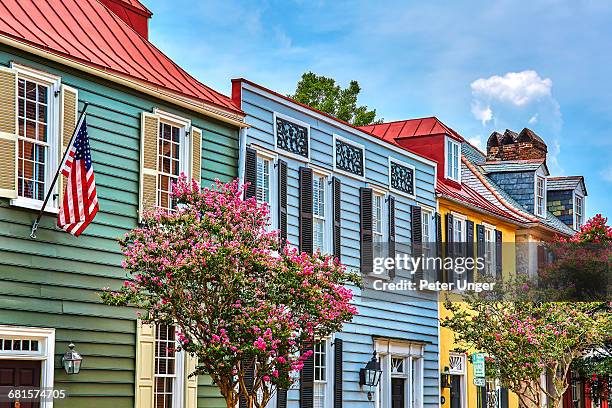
x: 481, y: 113
x: 518, y: 88
x: 534, y: 119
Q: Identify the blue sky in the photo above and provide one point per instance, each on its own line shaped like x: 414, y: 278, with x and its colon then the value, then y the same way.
x: 479, y: 66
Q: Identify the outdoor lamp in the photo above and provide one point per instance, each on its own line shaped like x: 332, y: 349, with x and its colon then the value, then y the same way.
x: 445, y: 378
x: 72, y: 360
x: 370, y: 375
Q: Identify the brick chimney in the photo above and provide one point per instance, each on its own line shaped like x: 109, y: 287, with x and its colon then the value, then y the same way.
x: 134, y: 13
x: 512, y: 146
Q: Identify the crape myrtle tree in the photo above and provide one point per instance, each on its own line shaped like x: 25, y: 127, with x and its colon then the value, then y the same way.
x: 527, y: 334
x: 248, y: 308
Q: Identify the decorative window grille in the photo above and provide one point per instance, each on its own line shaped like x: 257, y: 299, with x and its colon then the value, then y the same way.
x: 349, y: 158
x: 402, y: 178
x: 292, y: 137
x: 456, y: 364
x: 397, y: 365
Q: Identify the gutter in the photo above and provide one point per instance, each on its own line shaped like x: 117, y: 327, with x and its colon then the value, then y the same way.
x: 481, y: 210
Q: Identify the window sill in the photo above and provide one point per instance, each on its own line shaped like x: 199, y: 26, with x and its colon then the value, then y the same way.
x: 34, y: 205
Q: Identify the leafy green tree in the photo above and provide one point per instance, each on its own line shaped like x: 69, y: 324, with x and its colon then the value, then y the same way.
x: 324, y: 94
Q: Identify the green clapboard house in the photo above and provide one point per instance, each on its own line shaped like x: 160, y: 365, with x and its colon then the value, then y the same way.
x: 148, y: 120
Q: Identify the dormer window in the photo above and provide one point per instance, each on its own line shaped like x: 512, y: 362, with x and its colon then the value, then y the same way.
x: 540, y: 196
x: 453, y: 160
x: 579, y: 211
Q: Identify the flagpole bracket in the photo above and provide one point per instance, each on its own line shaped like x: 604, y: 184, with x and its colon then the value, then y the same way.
x: 34, y: 228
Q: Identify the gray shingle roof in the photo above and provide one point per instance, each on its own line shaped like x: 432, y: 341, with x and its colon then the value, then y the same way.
x: 510, y: 166
x: 564, y: 183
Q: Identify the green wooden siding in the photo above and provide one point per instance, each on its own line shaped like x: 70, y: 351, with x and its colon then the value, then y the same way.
x: 54, y: 281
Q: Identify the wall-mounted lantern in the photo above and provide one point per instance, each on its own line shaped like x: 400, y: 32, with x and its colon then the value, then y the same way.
x: 370, y: 375
x: 72, y: 360
x: 445, y: 378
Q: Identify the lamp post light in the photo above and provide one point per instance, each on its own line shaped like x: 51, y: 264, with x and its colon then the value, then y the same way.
x: 445, y: 378
x: 370, y: 375
x: 72, y: 360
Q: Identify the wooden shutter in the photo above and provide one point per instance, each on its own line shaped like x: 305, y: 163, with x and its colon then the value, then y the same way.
x: 337, y: 197
x: 191, y: 383
x: 504, y: 397
x: 282, y: 201
x: 338, y: 373
x: 469, y: 248
x: 498, y: 253
x: 438, y: 245
x: 8, y: 133
x: 281, y: 398
x: 480, y: 242
x: 367, y: 251
x: 306, y: 242
x: 148, y: 162
x: 248, y: 366
x: 416, y: 237
x: 68, y: 121
x: 250, y: 173
x: 307, y: 384
x: 196, y: 154
x: 145, y: 365
x: 449, y: 245
x: 392, y: 233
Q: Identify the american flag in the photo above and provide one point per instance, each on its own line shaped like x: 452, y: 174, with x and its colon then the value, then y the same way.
x: 80, y: 203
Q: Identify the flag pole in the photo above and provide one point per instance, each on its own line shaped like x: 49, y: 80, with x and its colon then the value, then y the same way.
x: 57, y: 173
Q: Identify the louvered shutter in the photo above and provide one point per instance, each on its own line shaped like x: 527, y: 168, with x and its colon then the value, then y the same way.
x: 307, y: 384
x: 191, y: 383
x: 498, y: 253
x: 196, y: 154
x: 145, y: 364
x: 282, y: 200
x: 338, y: 368
x: 337, y: 194
x: 281, y: 398
x: 367, y: 251
x: 480, y: 242
x: 439, y: 245
x: 148, y: 162
x: 450, y: 246
x: 392, y: 233
x: 8, y: 133
x: 68, y: 121
x: 306, y: 241
x: 250, y: 173
x: 248, y: 367
x: 469, y: 248
x: 504, y: 397
x: 416, y: 237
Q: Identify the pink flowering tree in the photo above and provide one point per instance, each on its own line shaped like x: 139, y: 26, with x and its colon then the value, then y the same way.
x: 248, y: 308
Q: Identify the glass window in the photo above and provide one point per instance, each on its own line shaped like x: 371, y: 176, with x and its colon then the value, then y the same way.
x: 489, y: 238
x: 263, y: 180
x: 458, y: 229
x: 540, y: 196
x: 318, y: 209
x: 165, y: 366
x: 579, y: 211
x: 320, y: 374
x: 453, y: 159
x: 377, y: 214
x: 168, y: 164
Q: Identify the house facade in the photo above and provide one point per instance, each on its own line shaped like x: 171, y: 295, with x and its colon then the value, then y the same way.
x: 336, y: 189
x: 147, y: 121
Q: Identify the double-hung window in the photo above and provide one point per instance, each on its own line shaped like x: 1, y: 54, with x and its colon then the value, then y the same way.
x: 377, y: 217
x: 321, y: 397
x: 489, y: 242
x: 453, y: 160
x: 173, y: 156
x: 458, y: 228
x: 540, y: 196
x: 319, y: 194
x: 169, y: 362
x: 264, y: 166
x: 579, y: 211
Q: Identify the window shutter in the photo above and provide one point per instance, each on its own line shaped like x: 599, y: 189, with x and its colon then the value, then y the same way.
x: 145, y: 363
x: 469, y: 248
x: 68, y: 121
x: 306, y: 242
x: 480, y: 241
x: 337, y: 190
x: 8, y: 133
x: 196, y: 154
x: 338, y: 373
x: 249, y: 377
x: 282, y: 201
x: 416, y: 237
x: 307, y: 384
x: 367, y: 251
x: 250, y: 173
x: 438, y: 244
x: 498, y: 252
x: 449, y: 246
x: 281, y: 398
x: 504, y: 397
x: 392, y: 233
x: 148, y: 162
x: 191, y: 383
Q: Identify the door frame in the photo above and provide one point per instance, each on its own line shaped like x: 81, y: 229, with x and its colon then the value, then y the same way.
x: 45, y: 354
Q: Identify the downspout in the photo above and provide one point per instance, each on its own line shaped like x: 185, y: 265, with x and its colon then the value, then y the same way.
x: 242, y: 156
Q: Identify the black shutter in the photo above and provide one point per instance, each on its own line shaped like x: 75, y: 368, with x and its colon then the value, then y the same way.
x: 306, y: 244
x: 504, y: 397
x: 482, y: 391
x: 469, y: 248
x: 392, y: 233
x: 282, y: 201
x: 338, y: 373
x: 337, y: 190
x: 307, y: 383
x: 498, y: 253
x: 281, y: 398
x: 367, y: 252
x: 439, y: 245
x: 449, y: 246
x: 248, y: 366
x: 416, y: 237
x: 250, y: 173
x: 480, y: 243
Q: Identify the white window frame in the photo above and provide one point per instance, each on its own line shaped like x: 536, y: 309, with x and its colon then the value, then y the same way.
x: 428, y: 233
x: 273, y: 157
x: 317, y: 173
x: 282, y: 152
x: 387, y: 349
x: 448, y: 171
x: 378, y: 193
x: 459, y: 219
x: 329, y: 374
x: 179, y: 382
x: 354, y: 144
x: 53, y: 136
x: 582, y: 207
x: 536, y: 208
x: 46, y: 354
x: 414, y: 175
x: 490, y: 248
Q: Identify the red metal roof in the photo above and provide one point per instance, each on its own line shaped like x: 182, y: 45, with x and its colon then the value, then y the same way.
x: 138, y: 5
x: 87, y: 32
x: 410, y: 128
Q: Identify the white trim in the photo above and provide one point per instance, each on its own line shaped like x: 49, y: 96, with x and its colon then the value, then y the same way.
x: 174, y: 120
x: 273, y: 174
x: 575, y: 195
x: 327, y: 207
x: 25, y: 202
x: 294, y: 121
x: 403, y: 164
x: 46, y: 356
x: 354, y: 144
x: 337, y: 124
x: 536, y: 178
x: 453, y: 143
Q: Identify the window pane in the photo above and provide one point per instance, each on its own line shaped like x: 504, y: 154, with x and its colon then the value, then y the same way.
x: 319, y: 234
x: 165, y: 360
x: 263, y: 180
x: 318, y: 197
